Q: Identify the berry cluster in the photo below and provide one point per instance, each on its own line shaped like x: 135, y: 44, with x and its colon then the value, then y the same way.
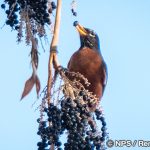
x: 37, y: 10
x: 11, y: 12
x: 75, y: 120
x: 51, y: 129
x: 100, y: 117
x: 74, y: 117
x: 42, y: 130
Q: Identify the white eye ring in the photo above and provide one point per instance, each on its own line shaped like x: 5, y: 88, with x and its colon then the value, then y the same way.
x: 91, y: 35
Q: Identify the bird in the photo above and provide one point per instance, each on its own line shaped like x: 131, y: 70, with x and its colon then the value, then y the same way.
x: 89, y: 62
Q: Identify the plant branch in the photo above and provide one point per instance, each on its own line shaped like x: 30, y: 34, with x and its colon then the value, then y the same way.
x: 53, y: 61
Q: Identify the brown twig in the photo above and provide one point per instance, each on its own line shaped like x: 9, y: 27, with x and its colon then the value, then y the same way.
x: 53, y: 61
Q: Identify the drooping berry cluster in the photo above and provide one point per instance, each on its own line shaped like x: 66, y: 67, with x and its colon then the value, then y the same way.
x: 42, y: 130
x: 75, y: 121
x: 51, y: 129
x: 73, y: 116
x: 36, y: 10
x: 100, y: 117
x: 12, y: 13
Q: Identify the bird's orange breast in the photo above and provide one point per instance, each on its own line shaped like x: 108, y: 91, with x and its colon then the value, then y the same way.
x: 88, y: 62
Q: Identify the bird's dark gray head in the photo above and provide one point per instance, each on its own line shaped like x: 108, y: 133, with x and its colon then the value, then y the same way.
x: 88, y: 37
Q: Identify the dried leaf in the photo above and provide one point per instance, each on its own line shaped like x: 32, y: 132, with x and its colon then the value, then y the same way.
x: 28, y: 87
x: 38, y: 85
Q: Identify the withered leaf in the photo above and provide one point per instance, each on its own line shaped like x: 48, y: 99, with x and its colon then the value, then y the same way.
x: 38, y: 85
x: 28, y: 87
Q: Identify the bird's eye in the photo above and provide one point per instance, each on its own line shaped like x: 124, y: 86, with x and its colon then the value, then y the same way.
x: 92, y: 34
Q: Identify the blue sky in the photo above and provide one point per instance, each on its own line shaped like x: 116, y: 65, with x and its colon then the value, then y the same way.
x: 123, y: 27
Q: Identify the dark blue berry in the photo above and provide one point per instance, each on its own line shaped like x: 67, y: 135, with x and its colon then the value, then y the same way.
x: 53, y: 5
x: 39, y: 144
x: 38, y: 133
x: 49, y: 142
x: 50, y: 119
x: 81, y: 93
x: 8, y: 22
x: 72, y: 10
x: 75, y: 13
x: 90, y: 105
x: 103, y: 128
x: 3, y: 6
x: 16, y: 9
x: 7, y: 12
x: 58, y: 143
x: 97, y: 111
x: 16, y: 21
x: 104, y: 123
x: 88, y: 132
x: 102, y: 119
x: 45, y: 109
x: 104, y: 134
x: 102, y: 139
x: 16, y: 27
x: 98, y: 146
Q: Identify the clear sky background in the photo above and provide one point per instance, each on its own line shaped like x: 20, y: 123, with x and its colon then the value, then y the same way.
x: 124, y: 30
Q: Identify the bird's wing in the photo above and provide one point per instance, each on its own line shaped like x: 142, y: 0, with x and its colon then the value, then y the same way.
x: 105, y: 75
x: 70, y: 61
x: 68, y: 66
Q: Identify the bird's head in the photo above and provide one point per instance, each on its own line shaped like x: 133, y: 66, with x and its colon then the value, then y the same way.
x: 88, y: 37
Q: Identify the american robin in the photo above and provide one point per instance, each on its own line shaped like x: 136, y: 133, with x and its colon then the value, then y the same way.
x: 89, y: 62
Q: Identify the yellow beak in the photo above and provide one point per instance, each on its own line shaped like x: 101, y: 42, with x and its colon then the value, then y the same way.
x: 81, y: 30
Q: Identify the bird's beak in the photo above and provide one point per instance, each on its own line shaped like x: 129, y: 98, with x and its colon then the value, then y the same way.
x: 82, y: 31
